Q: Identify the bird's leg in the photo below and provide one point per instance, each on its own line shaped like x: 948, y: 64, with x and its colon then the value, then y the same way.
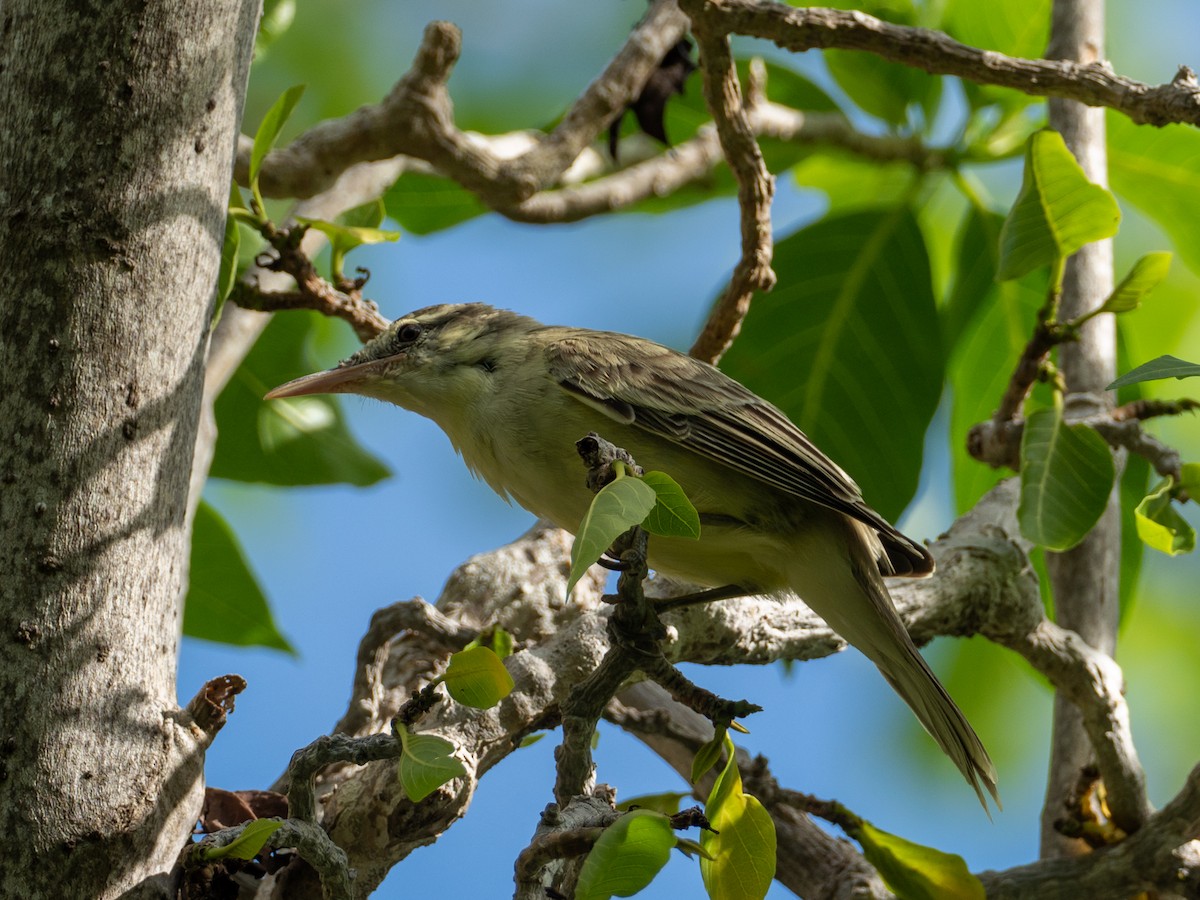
x: 697, y: 597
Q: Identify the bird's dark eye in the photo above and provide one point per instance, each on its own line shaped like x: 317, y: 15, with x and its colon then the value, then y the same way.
x: 409, y: 333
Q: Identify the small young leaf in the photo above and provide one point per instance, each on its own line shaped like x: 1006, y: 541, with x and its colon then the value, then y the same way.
x: 344, y: 238
x: 477, y: 678
x: 1189, y: 479
x: 707, y: 756
x: 627, y: 856
x: 742, y: 846
x: 502, y: 642
x: 227, y: 274
x: 916, y: 872
x: 690, y: 848
x: 673, y: 514
x: 530, y: 739
x: 248, y: 844
x: 1066, y: 477
x: 268, y: 132
x: 1156, y: 369
x: 1145, y: 275
x: 426, y: 763
x: 1057, y: 210
x: 224, y: 602
x: 615, y: 509
x: 1160, y: 525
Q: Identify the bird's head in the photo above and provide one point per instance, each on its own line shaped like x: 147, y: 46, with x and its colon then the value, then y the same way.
x: 425, y: 358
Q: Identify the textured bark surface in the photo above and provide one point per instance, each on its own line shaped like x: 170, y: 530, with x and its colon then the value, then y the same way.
x: 119, y: 125
x: 1085, y: 579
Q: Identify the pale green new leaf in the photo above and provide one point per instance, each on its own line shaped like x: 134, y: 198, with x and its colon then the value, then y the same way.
x: 1160, y: 525
x: 916, y: 872
x: 708, y: 754
x: 268, y: 133
x: 666, y: 803
x: 1066, y: 477
x: 1057, y: 210
x: 1162, y: 367
x: 615, y: 509
x: 1189, y: 479
x: 248, y: 844
x: 426, y: 763
x: 673, y: 514
x: 742, y: 864
x: 344, y: 238
x: 1145, y: 275
x: 627, y: 856
x: 477, y: 678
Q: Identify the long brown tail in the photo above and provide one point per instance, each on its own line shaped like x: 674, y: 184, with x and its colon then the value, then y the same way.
x: 850, y: 595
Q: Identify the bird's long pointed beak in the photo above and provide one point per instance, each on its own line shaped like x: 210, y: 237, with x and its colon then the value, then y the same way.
x: 342, y: 380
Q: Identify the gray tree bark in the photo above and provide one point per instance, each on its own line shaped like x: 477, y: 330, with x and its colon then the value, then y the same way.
x: 120, y: 121
x: 1085, y: 579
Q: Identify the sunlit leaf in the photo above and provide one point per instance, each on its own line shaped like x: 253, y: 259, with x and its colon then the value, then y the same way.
x: 627, y: 856
x: 665, y: 803
x: 268, y: 133
x: 916, y: 872
x: 742, y: 864
x: 224, y: 602
x: 1160, y: 525
x: 477, y: 678
x: 615, y: 509
x: 1057, y: 210
x: 426, y: 763
x: 708, y: 754
x: 1066, y: 476
x: 673, y: 514
x: 1143, y: 277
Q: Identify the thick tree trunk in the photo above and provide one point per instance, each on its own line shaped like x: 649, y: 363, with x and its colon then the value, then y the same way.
x: 119, y: 126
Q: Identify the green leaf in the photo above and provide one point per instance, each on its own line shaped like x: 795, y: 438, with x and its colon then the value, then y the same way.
x: 742, y: 863
x: 1189, y: 479
x: 1145, y: 275
x: 344, y: 238
x: 502, y: 642
x: 916, y: 872
x: 1158, y: 171
x: 1160, y: 525
x: 248, y: 844
x: 853, y: 184
x: 848, y: 346
x: 477, y: 678
x: 673, y: 514
x: 618, y: 506
x: 708, y: 754
x: 1156, y: 369
x: 530, y: 739
x: 304, y: 440
x: 426, y: 763
x: 277, y: 18
x: 627, y: 856
x: 224, y: 602
x: 1066, y: 477
x: 423, y: 204
x: 666, y: 803
x: 268, y: 133
x: 1057, y: 210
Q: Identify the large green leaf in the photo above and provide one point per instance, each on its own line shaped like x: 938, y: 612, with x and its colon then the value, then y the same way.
x: 1066, y: 477
x: 627, y: 856
x: 1158, y: 171
x: 673, y: 514
x: 1015, y: 27
x: 224, y: 602
x: 987, y: 324
x: 1057, y: 210
x: 917, y: 872
x: 741, y: 847
x: 848, y: 346
x: 248, y: 844
x: 287, y: 442
x: 423, y: 203
x: 851, y: 183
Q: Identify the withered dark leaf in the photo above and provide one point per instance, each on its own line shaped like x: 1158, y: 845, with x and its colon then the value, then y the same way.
x: 650, y: 108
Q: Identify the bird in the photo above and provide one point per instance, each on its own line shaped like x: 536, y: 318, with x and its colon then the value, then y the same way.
x: 777, y: 515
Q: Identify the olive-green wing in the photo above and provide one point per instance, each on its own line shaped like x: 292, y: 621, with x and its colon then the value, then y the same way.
x: 696, y: 405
